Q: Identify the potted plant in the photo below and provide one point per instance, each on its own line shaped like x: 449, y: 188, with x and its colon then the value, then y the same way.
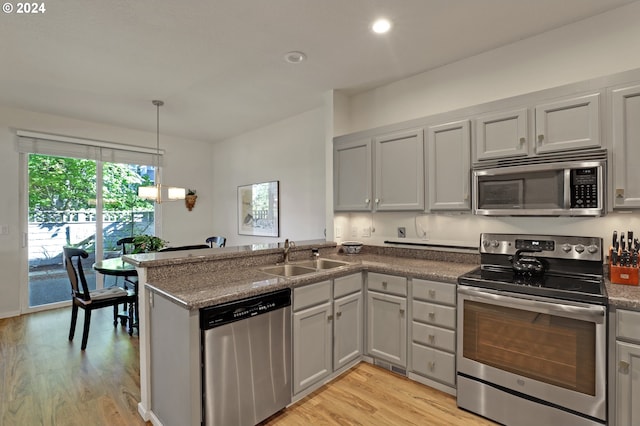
x: 190, y: 199
x: 147, y: 243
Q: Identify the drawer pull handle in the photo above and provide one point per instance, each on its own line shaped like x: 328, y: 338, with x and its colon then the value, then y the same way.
x: 431, y: 365
x: 384, y: 284
x: 432, y: 338
x: 432, y: 315
x: 432, y: 293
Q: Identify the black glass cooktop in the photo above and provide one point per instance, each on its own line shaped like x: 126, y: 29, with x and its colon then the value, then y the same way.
x: 585, y: 288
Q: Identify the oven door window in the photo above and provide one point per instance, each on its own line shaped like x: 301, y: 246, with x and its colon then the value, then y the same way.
x: 548, y: 348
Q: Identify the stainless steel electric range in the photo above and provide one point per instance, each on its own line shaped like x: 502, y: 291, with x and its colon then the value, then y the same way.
x: 532, y: 331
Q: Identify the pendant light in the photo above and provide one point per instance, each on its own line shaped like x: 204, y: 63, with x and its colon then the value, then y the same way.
x: 157, y: 192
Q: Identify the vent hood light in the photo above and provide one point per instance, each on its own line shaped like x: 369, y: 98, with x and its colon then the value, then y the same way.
x: 381, y: 26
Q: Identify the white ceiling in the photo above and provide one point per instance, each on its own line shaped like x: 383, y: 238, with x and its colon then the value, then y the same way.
x: 219, y: 64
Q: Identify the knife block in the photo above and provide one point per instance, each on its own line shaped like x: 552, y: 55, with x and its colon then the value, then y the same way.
x: 622, y: 274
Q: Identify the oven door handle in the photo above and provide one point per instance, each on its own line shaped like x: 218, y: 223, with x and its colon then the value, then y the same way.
x: 591, y: 312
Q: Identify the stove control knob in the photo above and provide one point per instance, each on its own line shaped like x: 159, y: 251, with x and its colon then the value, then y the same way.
x: 592, y: 249
x: 579, y: 248
x: 485, y: 243
x: 495, y: 243
x: 566, y: 248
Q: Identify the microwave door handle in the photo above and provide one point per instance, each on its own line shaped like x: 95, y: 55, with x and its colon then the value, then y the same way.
x: 595, y: 313
x: 567, y: 189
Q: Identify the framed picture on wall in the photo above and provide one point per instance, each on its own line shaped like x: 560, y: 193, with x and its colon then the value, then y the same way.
x: 258, y: 209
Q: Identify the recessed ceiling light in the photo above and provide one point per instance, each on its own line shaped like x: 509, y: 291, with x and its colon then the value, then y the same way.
x: 295, y: 57
x: 381, y: 26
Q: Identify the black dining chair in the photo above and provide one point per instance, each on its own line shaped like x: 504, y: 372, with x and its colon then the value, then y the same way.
x: 87, y: 300
x: 128, y: 281
x: 216, y: 241
x: 191, y: 247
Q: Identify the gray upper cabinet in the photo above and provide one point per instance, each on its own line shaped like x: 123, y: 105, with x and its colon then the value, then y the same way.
x: 399, y: 171
x: 626, y: 146
x: 568, y: 124
x: 502, y: 134
x: 561, y: 125
x: 381, y: 173
x: 352, y: 175
x: 448, y: 147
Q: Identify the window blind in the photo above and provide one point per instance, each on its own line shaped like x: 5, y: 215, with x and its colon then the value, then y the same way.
x: 65, y: 146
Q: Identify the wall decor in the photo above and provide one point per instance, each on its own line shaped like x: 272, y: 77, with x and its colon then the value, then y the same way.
x: 258, y: 210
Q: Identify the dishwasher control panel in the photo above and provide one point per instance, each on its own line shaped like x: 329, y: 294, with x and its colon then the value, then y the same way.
x: 215, y: 316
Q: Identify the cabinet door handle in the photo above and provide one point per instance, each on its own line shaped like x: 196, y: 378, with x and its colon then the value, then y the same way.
x: 367, y: 201
x: 401, y: 311
x: 338, y: 314
x: 377, y: 200
x: 329, y: 317
x: 540, y: 138
x: 623, y: 366
x: 522, y: 141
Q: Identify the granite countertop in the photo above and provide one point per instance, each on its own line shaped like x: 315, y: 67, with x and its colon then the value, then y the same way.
x: 623, y: 296
x: 200, y: 288
x: 205, y: 289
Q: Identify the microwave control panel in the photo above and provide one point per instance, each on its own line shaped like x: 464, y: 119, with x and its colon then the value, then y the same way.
x: 584, y: 188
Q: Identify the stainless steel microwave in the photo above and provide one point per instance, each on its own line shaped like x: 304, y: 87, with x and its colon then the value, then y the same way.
x: 571, y: 188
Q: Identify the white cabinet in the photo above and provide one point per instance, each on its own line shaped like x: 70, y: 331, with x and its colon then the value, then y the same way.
x: 502, y: 134
x: 352, y: 176
x: 627, y: 368
x: 448, y: 147
x: 348, y: 325
x: 626, y: 146
x: 433, y: 331
x: 387, y: 319
x: 380, y: 173
x: 312, y: 334
x: 561, y: 125
x: 399, y: 171
x: 568, y: 124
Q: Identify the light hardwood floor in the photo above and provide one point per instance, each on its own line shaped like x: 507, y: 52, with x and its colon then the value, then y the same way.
x: 46, y: 380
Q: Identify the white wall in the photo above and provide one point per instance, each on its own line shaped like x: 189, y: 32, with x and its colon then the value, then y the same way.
x: 604, y: 44
x: 187, y: 163
x: 592, y: 48
x: 291, y: 151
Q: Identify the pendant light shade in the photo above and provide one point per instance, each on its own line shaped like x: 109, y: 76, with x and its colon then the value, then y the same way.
x: 158, y: 192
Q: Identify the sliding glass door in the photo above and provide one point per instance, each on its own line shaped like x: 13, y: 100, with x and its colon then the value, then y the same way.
x: 84, y: 203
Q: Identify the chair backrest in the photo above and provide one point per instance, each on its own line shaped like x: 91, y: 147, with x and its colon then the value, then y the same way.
x: 123, y: 242
x: 193, y: 247
x: 218, y: 241
x: 78, y: 289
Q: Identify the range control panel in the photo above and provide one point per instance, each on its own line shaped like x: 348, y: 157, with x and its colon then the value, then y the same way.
x: 551, y: 246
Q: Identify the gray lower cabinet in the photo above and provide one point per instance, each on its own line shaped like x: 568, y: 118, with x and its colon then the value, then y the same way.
x: 327, y: 329
x: 433, y: 331
x: 387, y: 318
x: 348, y: 323
x: 627, y: 368
x: 312, y: 334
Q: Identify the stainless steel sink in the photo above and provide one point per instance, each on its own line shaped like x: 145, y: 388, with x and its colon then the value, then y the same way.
x: 288, y: 270
x: 323, y: 264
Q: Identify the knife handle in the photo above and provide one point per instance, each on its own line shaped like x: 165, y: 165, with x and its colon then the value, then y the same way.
x: 622, y: 241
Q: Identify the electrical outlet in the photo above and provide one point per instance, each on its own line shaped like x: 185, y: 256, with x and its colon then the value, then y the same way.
x: 366, y: 232
x: 354, y: 231
x: 4, y: 229
x: 402, y: 232
x: 338, y: 232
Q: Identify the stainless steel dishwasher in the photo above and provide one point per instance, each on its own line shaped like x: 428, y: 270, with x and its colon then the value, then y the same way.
x: 246, y: 359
